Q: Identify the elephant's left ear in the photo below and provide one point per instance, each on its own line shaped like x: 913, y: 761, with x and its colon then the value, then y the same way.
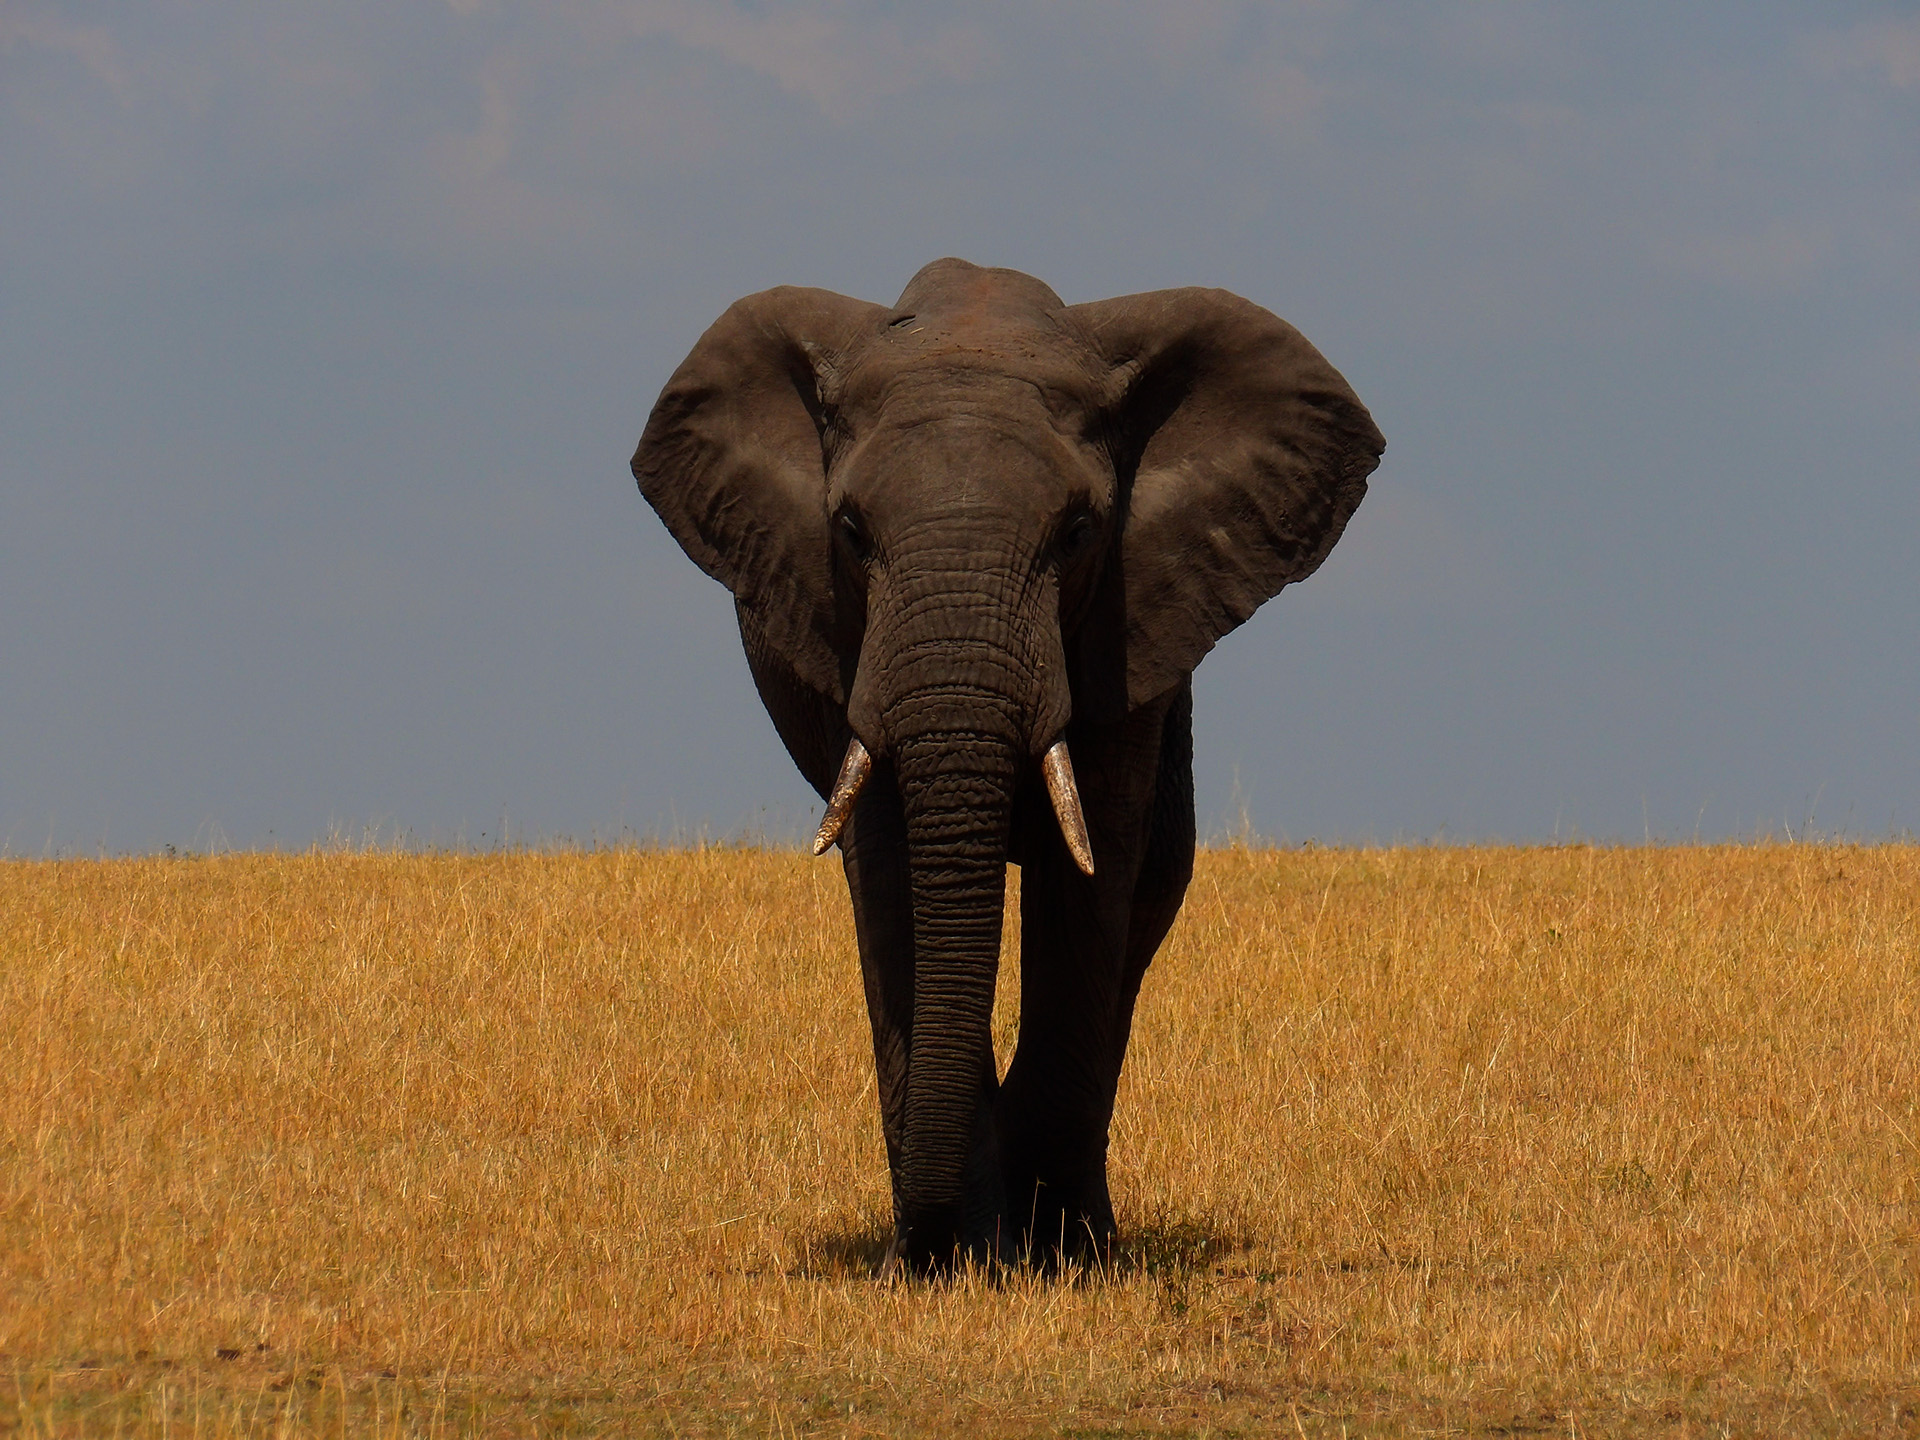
x: 1249, y: 452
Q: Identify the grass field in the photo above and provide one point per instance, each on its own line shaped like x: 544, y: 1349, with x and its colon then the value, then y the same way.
x: 1564, y: 1141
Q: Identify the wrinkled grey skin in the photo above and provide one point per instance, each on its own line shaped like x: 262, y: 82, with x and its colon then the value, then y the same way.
x: 962, y: 529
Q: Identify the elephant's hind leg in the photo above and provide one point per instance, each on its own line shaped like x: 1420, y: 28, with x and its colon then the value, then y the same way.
x: 1166, y: 868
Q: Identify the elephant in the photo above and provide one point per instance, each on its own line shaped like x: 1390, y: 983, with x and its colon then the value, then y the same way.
x: 977, y: 543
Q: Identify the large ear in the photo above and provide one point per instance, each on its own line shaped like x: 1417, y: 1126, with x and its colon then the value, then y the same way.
x: 732, y: 460
x: 1249, y: 453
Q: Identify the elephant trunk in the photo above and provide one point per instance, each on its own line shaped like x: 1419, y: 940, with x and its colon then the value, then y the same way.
x: 960, y: 685
x: 956, y: 787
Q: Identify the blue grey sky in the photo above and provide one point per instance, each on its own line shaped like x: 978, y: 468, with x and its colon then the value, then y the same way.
x: 326, y: 333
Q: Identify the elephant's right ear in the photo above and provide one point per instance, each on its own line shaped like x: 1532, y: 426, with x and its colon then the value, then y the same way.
x: 732, y: 461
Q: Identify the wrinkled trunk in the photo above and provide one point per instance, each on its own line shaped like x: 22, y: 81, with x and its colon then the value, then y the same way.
x: 956, y: 785
x: 950, y: 687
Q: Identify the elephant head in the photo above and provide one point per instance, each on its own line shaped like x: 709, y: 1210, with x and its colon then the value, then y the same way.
x: 961, y: 527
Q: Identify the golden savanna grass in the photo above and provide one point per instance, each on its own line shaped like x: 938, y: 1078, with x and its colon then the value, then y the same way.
x: 1567, y: 1140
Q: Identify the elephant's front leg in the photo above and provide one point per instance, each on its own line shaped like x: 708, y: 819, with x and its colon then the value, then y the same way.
x: 1077, y: 981
x: 873, y: 850
x: 1058, y: 1097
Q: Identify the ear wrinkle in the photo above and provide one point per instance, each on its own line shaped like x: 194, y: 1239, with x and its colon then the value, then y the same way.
x: 1154, y: 393
x: 808, y: 388
x: 803, y: 373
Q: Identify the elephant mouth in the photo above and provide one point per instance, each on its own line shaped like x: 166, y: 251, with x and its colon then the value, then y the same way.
x: 1056, y: 766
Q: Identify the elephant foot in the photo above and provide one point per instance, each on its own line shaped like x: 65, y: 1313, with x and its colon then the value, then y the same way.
x: 936, y: 1245
x: 1067, y: 1223
x: 951, y: 1235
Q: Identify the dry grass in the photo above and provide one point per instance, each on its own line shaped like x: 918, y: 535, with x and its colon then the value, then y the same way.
x: 1567, y: 1139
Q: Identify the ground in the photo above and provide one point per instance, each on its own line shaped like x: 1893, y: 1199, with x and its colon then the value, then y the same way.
x: 1559, y: 1140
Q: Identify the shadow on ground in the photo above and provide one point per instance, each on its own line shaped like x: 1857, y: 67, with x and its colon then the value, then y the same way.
x: 842, y: 1252
x: 1161, y: 1250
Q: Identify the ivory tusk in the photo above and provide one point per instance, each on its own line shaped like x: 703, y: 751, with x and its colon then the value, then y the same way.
x: 846, y: 789
x: 1066, y: 805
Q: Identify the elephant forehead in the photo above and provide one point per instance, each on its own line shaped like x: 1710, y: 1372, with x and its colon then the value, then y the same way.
x: 1015, y: 454
x: 1031, y: 382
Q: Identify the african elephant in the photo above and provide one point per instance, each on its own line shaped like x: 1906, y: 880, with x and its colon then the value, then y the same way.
x: 977, y: 543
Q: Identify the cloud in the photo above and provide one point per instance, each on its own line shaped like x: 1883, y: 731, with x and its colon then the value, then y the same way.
x: 1778, y: 253
x: 1284, y: 98
x: 1887, y: 48
x: 838, y: 57
x: 92, y: 45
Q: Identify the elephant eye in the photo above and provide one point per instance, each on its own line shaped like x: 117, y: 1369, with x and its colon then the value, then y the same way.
x: 1075, y: 535
x: 855, y: 534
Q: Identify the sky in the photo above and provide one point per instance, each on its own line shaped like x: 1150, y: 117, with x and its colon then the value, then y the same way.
x: 326, y: 334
